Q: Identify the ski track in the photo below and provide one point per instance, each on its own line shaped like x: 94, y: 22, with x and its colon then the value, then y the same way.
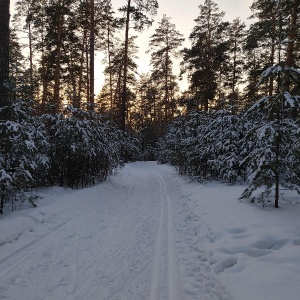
x: 165, y: 233
x: 134, y: 237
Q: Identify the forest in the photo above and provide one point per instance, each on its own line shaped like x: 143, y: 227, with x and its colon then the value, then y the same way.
x: 238, y: 121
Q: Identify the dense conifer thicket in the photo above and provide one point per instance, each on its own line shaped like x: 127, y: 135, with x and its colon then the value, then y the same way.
x: 74, y: 148
x: 251, y: 136
x: 238, y: 119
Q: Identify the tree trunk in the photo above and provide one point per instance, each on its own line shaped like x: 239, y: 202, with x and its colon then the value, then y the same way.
x: 124, y: 93
x: 166, y: 89
x: 72, y: 79
x: 43, y: 71
x: 4, y: 50
x: 2, y: 204
x: 56, y: 95
x: 92, y: 56
x: 30, y: 59
x: 78, y: 97
x: 110, y: 73
x: 277, y: 157
x: 87, y: 72
x: 272, y: 55
x: 292, y: 37
x: 293, y: 33
x: 118, y: 96
x: 234, y: 69
x: 44, y: 84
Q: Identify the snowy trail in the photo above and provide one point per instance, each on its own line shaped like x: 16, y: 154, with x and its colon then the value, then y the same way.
x: 165, y: 232
x: 131, y: 237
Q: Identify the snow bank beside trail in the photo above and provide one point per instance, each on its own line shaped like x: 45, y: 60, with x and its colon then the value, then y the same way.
x: 255, y: 250
x: 12, y: 229
x: 14, y: 225
x: 250, y: 250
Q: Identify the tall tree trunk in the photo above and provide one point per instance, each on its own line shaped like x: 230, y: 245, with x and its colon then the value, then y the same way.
x: 110, y: 73
x: 234, y: 96
x: 30, y: 59
x: 206, y: 98
x: 4, y: 63
x: 124, y: 93
x: 271, y: 82
x: 272, y: 55
x: 292, y: 37
x: 43, y: 70
x: 72, y: 78
x: 234, y: 69
x: 277, y: 156
x: 78, y: 97
x: 118, y: 97
x: 92, y: 55
x: 293, y: 33
x: 56, y: 95
x: 87, y: 72
x: 278, y: 138
x: 166, y: 91
x: 4, y: 50
x: 44, y: 85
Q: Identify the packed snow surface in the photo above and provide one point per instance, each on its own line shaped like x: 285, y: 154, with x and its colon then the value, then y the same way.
x: 147, y: 233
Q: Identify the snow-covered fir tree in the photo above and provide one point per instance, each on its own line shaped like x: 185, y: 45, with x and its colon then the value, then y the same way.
x: 19, y: 155
x: 272, y: 144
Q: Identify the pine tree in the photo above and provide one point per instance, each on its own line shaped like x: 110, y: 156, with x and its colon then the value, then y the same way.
x: 234, y: 73
x: 136, y: 10
x: 114, y: 78
x: 207, y: 53
x: 108, y: 41
x: 164, y: 44
x: 24, y: 10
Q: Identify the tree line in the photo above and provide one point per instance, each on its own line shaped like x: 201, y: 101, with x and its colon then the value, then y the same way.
x: 252, y: 137
x: 223, y: 63
x: 48, y: 103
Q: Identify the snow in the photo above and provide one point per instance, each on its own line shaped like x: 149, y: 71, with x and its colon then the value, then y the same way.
x: 4, y: 176
x: 147, y: 233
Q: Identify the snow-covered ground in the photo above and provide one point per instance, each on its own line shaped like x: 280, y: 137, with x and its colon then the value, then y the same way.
x: 147, y: 233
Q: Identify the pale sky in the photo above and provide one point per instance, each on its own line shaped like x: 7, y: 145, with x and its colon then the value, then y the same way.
x: 182, y: 14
